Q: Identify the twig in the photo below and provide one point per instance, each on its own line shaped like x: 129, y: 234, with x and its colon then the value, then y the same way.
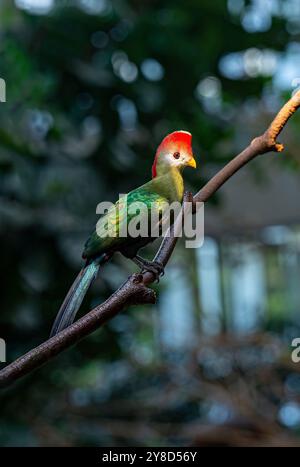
x: 135, y: 291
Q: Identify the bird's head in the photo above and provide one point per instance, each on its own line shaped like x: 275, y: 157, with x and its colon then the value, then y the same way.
x: 175, y: 151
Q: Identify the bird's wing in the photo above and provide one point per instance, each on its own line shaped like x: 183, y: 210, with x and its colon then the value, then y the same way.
x: 109, y: 229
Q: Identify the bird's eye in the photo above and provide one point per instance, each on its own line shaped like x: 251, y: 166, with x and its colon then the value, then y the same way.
x: 176, y: 155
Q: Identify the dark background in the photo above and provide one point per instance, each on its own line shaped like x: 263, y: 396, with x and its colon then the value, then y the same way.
x: 92, y: 87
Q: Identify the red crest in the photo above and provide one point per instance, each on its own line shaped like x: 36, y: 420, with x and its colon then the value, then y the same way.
x: 177, y: 140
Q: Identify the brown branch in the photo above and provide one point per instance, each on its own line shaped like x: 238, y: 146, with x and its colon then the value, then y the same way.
x: 135, y: 291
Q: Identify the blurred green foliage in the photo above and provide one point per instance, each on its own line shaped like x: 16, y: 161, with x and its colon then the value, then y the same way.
x: 90, y: 94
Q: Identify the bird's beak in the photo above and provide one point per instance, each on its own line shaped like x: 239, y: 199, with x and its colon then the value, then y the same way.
x: 192, y: 163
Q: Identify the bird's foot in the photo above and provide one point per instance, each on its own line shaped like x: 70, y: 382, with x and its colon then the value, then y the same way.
x: 155, y: 267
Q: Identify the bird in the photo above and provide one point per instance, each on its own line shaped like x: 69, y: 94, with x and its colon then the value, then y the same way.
x: 165, y: 187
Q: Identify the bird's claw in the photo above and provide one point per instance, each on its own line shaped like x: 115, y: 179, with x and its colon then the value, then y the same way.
x: 137, y: 278
x: 156, y: 268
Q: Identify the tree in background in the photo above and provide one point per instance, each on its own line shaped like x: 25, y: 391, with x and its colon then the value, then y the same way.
x: 91, y: 89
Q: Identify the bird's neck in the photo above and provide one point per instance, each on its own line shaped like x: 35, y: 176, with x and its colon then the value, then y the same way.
x: 170, y: 183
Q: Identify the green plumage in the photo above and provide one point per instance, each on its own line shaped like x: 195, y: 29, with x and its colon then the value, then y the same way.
x: 156, y: 195
x: 113, y: 228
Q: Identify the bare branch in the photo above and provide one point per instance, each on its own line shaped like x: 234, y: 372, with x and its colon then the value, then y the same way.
x: 135, y: 291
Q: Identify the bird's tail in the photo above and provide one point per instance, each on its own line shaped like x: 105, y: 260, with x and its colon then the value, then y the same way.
x: 76, y: 294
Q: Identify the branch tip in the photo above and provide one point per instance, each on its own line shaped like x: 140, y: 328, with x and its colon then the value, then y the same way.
x: 279, y: 147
